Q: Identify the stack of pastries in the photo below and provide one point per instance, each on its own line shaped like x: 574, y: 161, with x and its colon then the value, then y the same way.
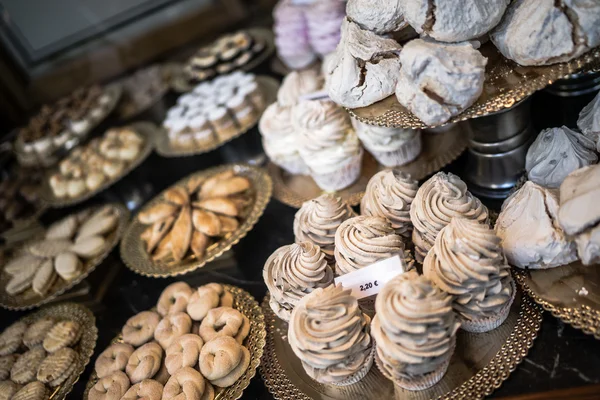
x: 190, y: 217
x: 191, y: 345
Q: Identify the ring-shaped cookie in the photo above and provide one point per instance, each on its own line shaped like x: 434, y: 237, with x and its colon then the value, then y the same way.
x: 111, y: 387
x: 190, y: 383
x: 144, y: 363
x: 223, y: 361
x: 174, y: 299
x: 183, y: 352
x: 224, y: 321
x: 113, y: 358
x: 171, y: 327
x: 139, y: 329
x: 148, y: 389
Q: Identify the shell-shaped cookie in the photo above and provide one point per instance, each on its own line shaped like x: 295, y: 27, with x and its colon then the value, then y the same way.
x: 32, y: 391
x: 62, y: 334
x: 37, y: 331
x: 12, y: 337
x: 25, y: 368
x: 44, y: 277
x: 49, y: 248
x: 8, y: 389
x: 57, y: 367
x: 89, y: 246
x: 6, y: 364
x: 63, y: 229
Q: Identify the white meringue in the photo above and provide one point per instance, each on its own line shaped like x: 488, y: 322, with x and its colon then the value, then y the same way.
x: 379, y: 16
x: 589, y: 121
x: 557, y: 152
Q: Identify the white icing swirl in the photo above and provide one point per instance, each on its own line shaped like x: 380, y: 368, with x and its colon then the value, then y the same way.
x: 389, y: 195
x: 589, y: 121
x: 467, y: 262
x: 330, y: 335
x: 557, y: 152
x: 438, y: 200
x: 292, y: 272
x: 298, y: 83
x: 362, y: 241
x: 318, y: 220
x: 414, y: 327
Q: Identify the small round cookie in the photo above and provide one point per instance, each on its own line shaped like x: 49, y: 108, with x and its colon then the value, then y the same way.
x: 57, y: 367
x: 174, y: 299
x: 8, y: 389
x: 6, y: 364
x: 25, y: 368
x: 12, y: 337
x: 148, y: 389
x: 171, y: 327
x: 144, y: 363
x: 189, y: 382
x: 162, y: 376
x: 32, y: 391
x: 37, y: 331
x: 62, y: 334
x: 223, y: 361
x: 183, y: 352
x: 225, y: 321
x: 111, y: 387
x: 139, y: 329
x: 114, y: 358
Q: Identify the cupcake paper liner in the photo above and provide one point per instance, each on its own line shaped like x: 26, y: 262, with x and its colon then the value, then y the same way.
x: 281, y: 312
x: 341, y: 178
x: 488, y: 324
x: 361, y: 373
x: 405, y: 154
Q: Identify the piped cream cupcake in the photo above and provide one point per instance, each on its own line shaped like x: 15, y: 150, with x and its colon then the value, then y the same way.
x: 331, y: 336
x: 389, y: 195
x: 318, y: 220
x: 467, y: 262
x: 292, y: 272
x: 415, y: 331
x: 391, y: 147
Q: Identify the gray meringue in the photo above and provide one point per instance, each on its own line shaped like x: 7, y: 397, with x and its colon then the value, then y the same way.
x: 557, y: 152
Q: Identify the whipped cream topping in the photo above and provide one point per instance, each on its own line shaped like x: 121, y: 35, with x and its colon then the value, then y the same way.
x: 327, y: 139
x: 414, y: 327
x: 297, y: 84
x: 439, y: 199
x: 362, y: 241
x: 330, y: 335
x: 467, y: 262
x: 557, y: 152
x: 383, y: 139
x: 318, y: 220
x: 529, y: 231
x: 589, y: 121
x: 292, y: 272
x: 389, y: 195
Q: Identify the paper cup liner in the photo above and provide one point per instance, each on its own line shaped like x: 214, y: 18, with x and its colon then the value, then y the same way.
x: 341, y: 178
x: 281, y: 312
x: 292, y: 165
x: 361, y: 373
x: 409, y: 151
x: 420, y: 382
x: 491, y: 323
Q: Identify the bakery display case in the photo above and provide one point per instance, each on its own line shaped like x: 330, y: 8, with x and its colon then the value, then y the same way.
x: 259, y: 199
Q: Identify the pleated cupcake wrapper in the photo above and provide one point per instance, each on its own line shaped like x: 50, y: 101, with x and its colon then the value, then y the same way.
x: 403, y: 155
x: 294, y: 166
x: 280, y: 311
x: 361, y: 373
x: 488, y: 324
x: 421, y: 382
x: 342, y: 177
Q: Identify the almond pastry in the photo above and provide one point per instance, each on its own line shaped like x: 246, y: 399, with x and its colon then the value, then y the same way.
x: 157, y: 213
x: 181, y: 234
x: 199, y: 243
x: 218, y: 205
x: 206, y: 222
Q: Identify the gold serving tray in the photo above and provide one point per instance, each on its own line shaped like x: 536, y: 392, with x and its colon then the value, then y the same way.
x: 180, y: 84
x: 29, y: 299
x: 133, y: 252
x: 85, y: 346
x: 269, y: 87
x: 146, y: 129
x: 439, y: 150
x: 479, y: 365
x: 570, y: 292
x: 255, y: 343
x: 506, y: 83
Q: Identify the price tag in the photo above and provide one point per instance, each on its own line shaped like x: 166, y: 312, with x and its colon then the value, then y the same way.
x: 368, y: 281
x: 320, y: 95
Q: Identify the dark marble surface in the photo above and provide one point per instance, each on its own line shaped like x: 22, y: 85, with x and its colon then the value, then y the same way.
x: 562, y: 357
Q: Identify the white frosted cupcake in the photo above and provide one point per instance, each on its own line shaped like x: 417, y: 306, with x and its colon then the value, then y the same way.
x: 414, y: 330
x: 331, y: 336
x: 391, y: 147
x: 328, y: 144
x: 467, y: 262
x: 280, y: 140
x: 297, y: 84
x: 292, y: 272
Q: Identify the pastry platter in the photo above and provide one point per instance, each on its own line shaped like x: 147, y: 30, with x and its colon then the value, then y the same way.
x: 114, y: 92
x: 127, y: 108
x: 570, y: 292
x: 29, y: 299
x: 255, y: 343
x: 439, y: 150
x: 180, y: 84
x: 480, y: 364
x: 85, y: 346
x: 506, y: 83
x: 145, y: 129
x: 269, y: 87
x: 133, y: 250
